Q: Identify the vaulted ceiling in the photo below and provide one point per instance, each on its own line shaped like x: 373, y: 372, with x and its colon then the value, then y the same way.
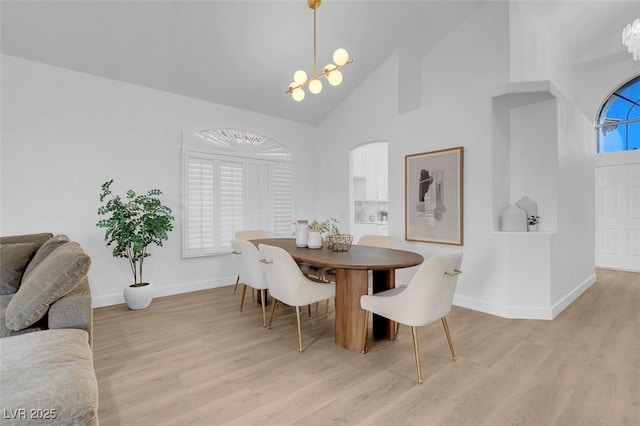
x: 244, y: 53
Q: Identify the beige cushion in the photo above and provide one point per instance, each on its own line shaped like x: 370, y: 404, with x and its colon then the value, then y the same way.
x: 38, y: 239
x: 54, y: 277
x: 45, y: 250
x: 50, y: 371
x: 14, y: 259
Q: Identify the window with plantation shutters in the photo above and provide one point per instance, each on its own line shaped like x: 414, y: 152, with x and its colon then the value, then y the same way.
x: 234, y: 180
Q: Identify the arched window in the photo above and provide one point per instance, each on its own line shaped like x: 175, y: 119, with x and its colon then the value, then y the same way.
x: 619, y: 119
x: 234, y: 180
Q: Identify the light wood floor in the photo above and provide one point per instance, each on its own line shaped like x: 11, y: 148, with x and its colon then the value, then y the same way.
x: 194, y: 359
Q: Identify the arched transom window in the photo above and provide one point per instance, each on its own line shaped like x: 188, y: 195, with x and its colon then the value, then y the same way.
x: 619, y: 120
x: 234, y: 180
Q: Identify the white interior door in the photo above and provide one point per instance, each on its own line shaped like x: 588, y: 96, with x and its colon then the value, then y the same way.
x: 618, y: 217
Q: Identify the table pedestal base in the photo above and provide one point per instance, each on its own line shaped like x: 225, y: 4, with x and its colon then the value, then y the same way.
x: 349, y: 314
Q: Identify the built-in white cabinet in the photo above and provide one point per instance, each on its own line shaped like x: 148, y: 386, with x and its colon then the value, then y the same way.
x: 372, y: 166
x: 371, y: 184
x: 383, y: 177
x: 370, y: 190
x: 359, y: 164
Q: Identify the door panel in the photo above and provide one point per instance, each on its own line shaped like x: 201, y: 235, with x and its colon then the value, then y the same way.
x: 618, y: 217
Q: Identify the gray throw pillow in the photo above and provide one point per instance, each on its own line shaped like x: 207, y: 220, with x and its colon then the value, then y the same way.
x: 54, y: 277
x: 14, y: 259
x: 44, y: 251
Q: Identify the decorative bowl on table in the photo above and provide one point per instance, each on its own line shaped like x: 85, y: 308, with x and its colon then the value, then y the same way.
x: 339, y: 242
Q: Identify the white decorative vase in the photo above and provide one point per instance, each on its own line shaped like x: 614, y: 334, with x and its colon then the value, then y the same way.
x: 138, y: 297
x: 528, y: 205
x: 513, y: 219
x: 532, y: 228
x: 302, y: 233
x: 315, y: 240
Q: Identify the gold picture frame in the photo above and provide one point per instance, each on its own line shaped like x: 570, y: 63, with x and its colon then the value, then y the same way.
x: 434, y: 210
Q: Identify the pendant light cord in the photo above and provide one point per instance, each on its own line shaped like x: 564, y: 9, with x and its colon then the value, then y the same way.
x: 315, y: 66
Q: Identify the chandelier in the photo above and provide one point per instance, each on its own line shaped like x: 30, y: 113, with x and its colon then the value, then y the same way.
x: 631, y: 38
x: 331, y: 72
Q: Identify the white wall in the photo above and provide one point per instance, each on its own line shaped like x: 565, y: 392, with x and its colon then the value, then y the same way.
x: 534, y: 53
x: 64, y: 133
x: 460, y: 76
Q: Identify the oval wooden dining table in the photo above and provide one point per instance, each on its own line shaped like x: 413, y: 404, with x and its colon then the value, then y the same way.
x: 352, y: 282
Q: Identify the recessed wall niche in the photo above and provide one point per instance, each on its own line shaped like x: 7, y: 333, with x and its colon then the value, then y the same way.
x: 525, y: 150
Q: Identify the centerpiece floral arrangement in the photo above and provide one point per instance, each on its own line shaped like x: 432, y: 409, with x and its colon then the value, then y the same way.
x: 326, y: 227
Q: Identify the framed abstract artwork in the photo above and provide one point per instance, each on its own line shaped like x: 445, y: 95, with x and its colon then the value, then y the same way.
x: 434, y: 196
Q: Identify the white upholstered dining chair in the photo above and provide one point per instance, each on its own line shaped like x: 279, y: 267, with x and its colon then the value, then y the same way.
x: 375, y: 240
x: 427, y: 298
x: 248, y: 235
x: 250, y: 271
x: 287, y: 283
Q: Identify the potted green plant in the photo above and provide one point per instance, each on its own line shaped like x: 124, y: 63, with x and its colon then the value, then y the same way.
x: 132, y: 225
x: 532, y: 223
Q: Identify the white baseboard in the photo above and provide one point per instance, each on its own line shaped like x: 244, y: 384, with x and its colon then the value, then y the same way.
x: 116, y: 299
x: 524, y: 312
x: 573, y: 295
x: 505, y: 311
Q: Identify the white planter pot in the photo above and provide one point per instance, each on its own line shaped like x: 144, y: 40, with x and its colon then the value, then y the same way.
x: 315, y: 240
x: 532, y: 228
x: 138, y: 297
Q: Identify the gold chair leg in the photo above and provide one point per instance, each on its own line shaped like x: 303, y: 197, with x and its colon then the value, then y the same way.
x: 365, y: 331
x: 299, y: 331
x: 446, y: 331
x: 264, y: 316
x: 274, y: 302
x: 417, y: 351
x: 244, y: 290
x: 309, y: 308
x: 236, y: 286
x: 397, y: 328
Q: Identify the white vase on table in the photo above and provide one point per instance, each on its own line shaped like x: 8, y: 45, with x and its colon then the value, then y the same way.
x: 302, y: 233
x: 315, y: 240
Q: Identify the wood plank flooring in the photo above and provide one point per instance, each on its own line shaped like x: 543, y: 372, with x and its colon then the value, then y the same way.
x: 195, y: 359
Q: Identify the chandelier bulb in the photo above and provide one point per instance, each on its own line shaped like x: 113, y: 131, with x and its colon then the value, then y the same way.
x: 335, y: 78
x: 300, y: 77
x: 315, y: 86
x: 341, y: 56
x: 297, y: 94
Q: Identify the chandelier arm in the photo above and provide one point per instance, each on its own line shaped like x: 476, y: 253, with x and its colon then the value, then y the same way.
x: 324, y: 74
